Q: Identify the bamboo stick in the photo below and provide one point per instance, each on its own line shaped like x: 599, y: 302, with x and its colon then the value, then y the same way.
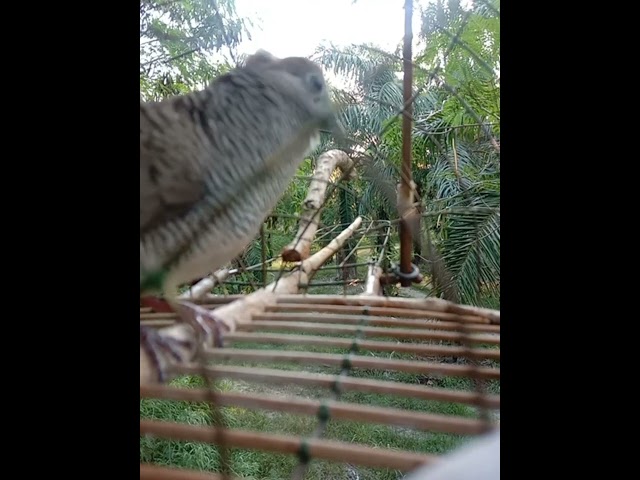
x: 395, y: 333
x: 241, y: 311
x: 338, y: 318
x: 318, y: 449
x: 300, y: 246
x: 430, y: 303
x: 272, y: 376
x: 373, y: 321
x: 372, y: 286
x: 205, y: 285
x: 403, y: 312
x: 350, y: 304
x: 336, y: 410
x: 211, y: 299
x: 378, y: 346
x: 406, y: 187
x: 409, y: 366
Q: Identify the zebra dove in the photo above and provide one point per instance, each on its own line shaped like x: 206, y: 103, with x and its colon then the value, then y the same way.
x: 214, y: 163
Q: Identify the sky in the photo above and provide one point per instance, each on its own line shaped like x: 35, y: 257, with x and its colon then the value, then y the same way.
x: 297, y: 27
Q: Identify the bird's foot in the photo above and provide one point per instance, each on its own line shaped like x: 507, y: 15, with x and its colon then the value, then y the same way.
x: 203, y: 320
x: 160, y: 349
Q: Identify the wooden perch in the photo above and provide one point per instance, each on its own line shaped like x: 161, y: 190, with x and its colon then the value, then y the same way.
x: 183, y: 337
x: 205, y: 285
x: 373, y: 286
x: 300, y: 247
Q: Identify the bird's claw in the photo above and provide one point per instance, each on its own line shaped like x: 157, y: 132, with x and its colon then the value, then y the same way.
x: 154, y: 343
x: 203, y: 320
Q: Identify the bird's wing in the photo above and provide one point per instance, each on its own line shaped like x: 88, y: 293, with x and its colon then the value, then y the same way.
x: 168, y: 188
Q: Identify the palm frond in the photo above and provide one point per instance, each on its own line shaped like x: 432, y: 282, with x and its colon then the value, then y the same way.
x: 472, y: 253
x: 380, y: 189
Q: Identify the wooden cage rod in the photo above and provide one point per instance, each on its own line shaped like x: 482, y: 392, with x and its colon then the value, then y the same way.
x: 347, y: 310
x: 372, y: 345
x: 336, y: 318
x: 352, y: 384
x: 424, y: 305
x: 393, y: 333
x: 418, y: 304
x: 403, y: 312
x: 337, y: 410
x: 376, y: 321
x: 318, y: 449
x: 429, y: 303
x: 273, y: 376
x: 253, y: 373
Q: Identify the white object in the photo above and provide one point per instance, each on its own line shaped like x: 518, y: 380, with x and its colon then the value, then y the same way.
x: 477, y: 460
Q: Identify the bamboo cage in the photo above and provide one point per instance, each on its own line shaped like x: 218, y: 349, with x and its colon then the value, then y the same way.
x: 278, y: 337
x: 323, y: 357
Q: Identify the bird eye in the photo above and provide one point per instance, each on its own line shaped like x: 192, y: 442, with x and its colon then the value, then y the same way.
x: 315, y: 82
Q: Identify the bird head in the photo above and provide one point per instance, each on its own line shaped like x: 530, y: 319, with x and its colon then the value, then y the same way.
x: 304, y: 82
